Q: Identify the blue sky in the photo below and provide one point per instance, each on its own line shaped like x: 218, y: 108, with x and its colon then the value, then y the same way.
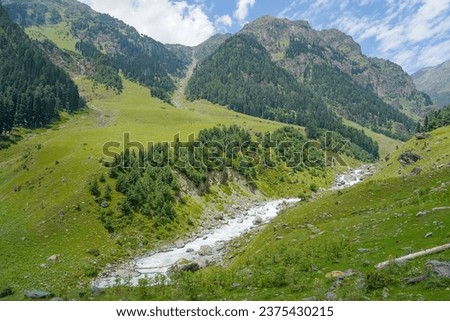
x: 412, y: 33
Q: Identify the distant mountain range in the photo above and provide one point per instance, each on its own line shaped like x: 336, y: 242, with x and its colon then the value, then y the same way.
x: 435, y: 81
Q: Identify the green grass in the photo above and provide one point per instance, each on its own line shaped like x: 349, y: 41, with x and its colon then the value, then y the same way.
x: 387, y: 145
x: 58, y: 33
x: 359, y: 227
x: 45, y: 204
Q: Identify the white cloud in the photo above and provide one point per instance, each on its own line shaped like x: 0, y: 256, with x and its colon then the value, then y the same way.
x: 222, y: 23
x: 167, y: 21
x: 242, y: 9
x: 411, y: 33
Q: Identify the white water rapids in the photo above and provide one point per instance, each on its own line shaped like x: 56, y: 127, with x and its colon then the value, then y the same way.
x: 160, y: 263
x: 210, y: 245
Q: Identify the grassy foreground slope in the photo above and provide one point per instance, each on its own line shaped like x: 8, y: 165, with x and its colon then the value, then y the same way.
x: 327, y: 248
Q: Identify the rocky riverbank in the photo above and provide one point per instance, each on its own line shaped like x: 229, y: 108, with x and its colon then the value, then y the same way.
x: 206, y: 247
x: 353, y: 177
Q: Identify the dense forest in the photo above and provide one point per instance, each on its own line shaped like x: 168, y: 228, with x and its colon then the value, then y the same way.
x: 139, y: 57
x: 149, y: 179
x: 435, y: 119
x: 242, y: 75
x: 32, y: 89
x: 354, y: 102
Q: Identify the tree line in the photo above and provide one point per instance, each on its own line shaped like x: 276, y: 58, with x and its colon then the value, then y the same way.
x: 32, y: 89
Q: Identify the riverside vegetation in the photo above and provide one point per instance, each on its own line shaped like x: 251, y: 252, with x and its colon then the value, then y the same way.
x: 68, y: 211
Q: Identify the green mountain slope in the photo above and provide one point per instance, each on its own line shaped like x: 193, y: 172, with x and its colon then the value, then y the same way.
x: 104, y: 45
x: 435, y: 82
x: 32, y: 89
x: 241, y: 75
x: 333, y: 48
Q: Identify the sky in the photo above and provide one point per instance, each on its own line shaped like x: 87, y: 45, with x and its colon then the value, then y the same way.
x: 411, y: 33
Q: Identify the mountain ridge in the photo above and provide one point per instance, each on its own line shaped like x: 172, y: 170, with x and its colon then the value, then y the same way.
x: 435, y: 82
x: 384, y: 78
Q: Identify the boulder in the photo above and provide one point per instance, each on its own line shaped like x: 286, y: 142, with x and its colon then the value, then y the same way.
x: 330, y: 296
x: 421, y: 213
x: 258, y: 220
x: 422, y: 136
x: 104, y: 204
x: 428, y: 235
x: 416, y: 171
x: 205, y: 250
x: 36, y: 294
x: 53, y: 258
x: 441, y: 269
x: 185, y: 266
x: 408, y: 158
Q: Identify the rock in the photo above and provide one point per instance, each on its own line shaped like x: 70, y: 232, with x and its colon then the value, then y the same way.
x: 205, y: 250
x: 422, y: 136
x: 57, y: 299
x: 416, y: 171
x: 348, y: 273
x: 428, y: 149
x: 104, y: 204
x: 313, y: 229
x: 367, y: 263
x: 258, y: 220
x: 443, y: 208
x: 235, y: 285
x: 421, y: 213
x: 53, y: 258
x: 362, y: 250
x: 44, y: 266
x: 35, y: 294
x: 334, y: 274
x: 441, y: 269
x: 416, y: 280
x: 185, y: 266
x: 279, y: 238
x: 179, y: 244
x: 428, y: 235
x: 310, y: 299
x: 330, y: 296
x: 385, y: 293
x: 408, y: 158
x: 190, y: 250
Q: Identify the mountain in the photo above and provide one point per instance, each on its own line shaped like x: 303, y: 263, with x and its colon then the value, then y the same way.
x: 435, y: 81
x: 100, y: 46
x: 199, y: 52
x: 242, y: 75
x: 315, y: 63
x: 32, y: 89
x: 296, y: 47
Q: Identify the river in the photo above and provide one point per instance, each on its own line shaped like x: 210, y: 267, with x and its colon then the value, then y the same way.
x: 210, y: 245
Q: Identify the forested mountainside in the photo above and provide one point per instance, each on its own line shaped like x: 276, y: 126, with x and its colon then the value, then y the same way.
x: 104, y: 45
x: 297, y: 47
x: 242, y: 75
x: 32, y: 88
x: 435, y: 81
x: 435, y: 119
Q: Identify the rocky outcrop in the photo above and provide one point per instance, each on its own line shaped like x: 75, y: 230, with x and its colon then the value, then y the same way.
x: 333, y: 47
x: 408, y: 158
